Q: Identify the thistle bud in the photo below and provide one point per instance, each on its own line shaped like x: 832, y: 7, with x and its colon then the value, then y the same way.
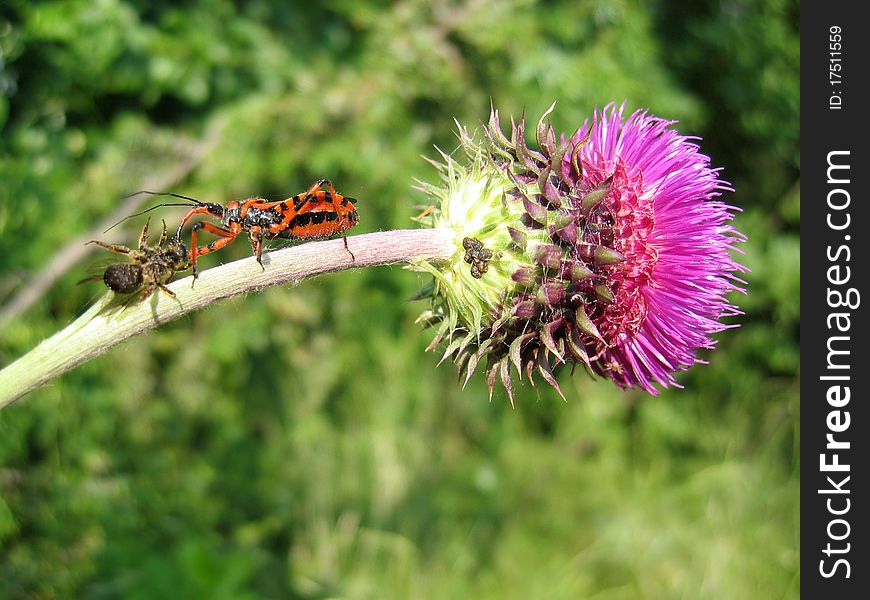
x: 607, y: 248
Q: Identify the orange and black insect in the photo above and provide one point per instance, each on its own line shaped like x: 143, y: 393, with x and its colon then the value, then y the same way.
x: 315, y: 213
x: 318, y: 212
x: 150, y: 267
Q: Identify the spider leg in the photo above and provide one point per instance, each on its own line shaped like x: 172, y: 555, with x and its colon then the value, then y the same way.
x: 120, y: 249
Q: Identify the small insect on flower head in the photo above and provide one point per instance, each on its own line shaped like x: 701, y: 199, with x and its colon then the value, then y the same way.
x: 608, y: 248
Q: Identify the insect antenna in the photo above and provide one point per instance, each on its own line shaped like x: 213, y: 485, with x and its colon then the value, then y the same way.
x: 191, y: 202
x: 173, y: 194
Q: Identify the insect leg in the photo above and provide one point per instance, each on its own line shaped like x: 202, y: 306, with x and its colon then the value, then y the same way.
x: 226, y: 236
x: 255, y: 234
x: 352, y: 257
x: 212, y: 210
x: 318, y: 185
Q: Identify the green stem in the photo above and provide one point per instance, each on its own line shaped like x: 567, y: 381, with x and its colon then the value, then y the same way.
x: 106, y: 324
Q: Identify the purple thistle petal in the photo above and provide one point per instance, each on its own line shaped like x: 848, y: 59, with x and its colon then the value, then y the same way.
x: 670, y: 291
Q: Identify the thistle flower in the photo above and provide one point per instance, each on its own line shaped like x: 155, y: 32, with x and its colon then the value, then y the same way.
x: 608, y: 248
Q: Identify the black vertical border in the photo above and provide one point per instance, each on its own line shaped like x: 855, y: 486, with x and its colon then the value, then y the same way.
x: 824, y: 130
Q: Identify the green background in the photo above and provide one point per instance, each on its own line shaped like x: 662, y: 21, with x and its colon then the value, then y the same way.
x: 300, y: 443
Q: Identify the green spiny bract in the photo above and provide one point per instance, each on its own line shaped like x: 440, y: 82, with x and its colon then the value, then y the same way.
x: 551, y: 236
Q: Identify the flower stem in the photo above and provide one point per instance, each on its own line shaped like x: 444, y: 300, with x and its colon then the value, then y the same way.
x: 108, y: 323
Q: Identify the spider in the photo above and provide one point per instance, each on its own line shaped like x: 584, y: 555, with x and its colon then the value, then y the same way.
x: 150, y: 267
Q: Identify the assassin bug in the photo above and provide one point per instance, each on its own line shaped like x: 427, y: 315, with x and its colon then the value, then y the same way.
x: 150, y: 267
x: 315, y: 213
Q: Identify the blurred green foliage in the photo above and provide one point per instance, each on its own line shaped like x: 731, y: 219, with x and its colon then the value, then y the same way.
x: 300, y: 443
